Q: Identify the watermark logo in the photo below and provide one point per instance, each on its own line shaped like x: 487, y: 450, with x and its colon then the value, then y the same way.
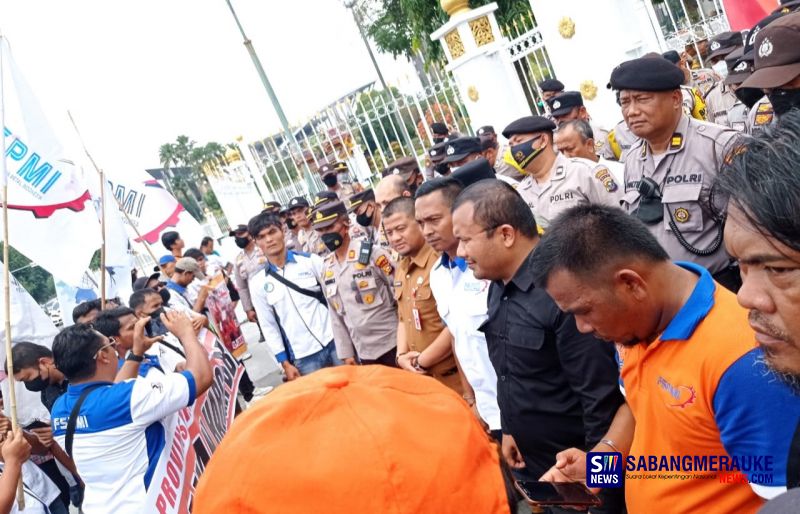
x: 604, y: 469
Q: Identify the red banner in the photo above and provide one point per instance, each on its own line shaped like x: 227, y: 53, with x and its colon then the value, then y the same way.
x: 743, y: 14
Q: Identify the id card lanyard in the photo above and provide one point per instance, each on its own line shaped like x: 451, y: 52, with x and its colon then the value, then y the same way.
x: 414, y: 309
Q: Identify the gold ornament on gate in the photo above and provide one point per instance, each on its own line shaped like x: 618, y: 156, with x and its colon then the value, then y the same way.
x: 453, y: 7
x: 566, y: 27
x: 588, y: 90
x: 472, y: 93
x: 482, y: 31
x: 453, y: 40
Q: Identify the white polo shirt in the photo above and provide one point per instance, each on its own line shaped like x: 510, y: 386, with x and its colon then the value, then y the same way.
x: 462, y: 303
x: 119, y: 436
x: 305, y: 321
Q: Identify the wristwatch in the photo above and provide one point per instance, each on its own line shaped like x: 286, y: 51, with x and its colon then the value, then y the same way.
x: 133, y: 357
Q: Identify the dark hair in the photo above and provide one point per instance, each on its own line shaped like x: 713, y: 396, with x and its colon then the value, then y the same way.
x: 139, y: 297
x: 194, y: 253
x: 84, y: 308
x: 585, y: 239
x: 205, y: 241
x: 760, y: 178
x: 168, y: 239
x: 261, y: 221
x: 404, y: 204
x: 107, y: 323
x: 497, y: 203
x: 27, y: 355
x: 582, y: 127
x: 74, y: 349
x: 448, y: 186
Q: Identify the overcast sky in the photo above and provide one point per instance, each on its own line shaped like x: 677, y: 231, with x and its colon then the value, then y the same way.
x: 137, y: 74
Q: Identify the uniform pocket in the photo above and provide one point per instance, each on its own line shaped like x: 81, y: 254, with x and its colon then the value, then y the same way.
x: 681, y: 204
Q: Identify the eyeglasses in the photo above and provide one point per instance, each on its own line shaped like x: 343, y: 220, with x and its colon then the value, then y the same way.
x: 112, y: 344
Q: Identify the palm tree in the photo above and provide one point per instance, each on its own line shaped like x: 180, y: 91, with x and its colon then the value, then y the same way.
x: 167, y: 158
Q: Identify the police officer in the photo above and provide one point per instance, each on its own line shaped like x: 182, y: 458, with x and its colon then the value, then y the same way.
x: 738, y: 71
x: 494, y: 152
x: 358, y: 282
x: 695, y: 83
x: 721, y: 98
x: 336, y: 178
x: 440, y: 132
x: 314, y: 243
x: 247, y: 263
x: 297, y: 209
x: 272, y: 207
x: 433, y: 161
x: 408, y: 168
x: 550, y: 88
x: 669, y: 171
x: 368, y: 216
x: 461, y: 150
x: 620, y: 139
x: 555, y: 182
x: 569, y: 106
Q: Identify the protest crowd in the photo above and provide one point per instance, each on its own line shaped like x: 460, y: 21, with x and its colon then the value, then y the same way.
x: 464, y: 331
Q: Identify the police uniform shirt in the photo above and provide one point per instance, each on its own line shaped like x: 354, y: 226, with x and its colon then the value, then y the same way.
x: 556, y: 388
x: 620, y: 139
x: 291, y: 241
x: 684, y: 175
x: 304, y: 320
x: 417, y: 310
x: 461, y: 301
x: 718, y: 104
x: 315, y: 245
x: 362, y: 305
x: 601, y: 145
x: 572, y: 181
x: 760, y: 117
x: 704, y: 80
x: 737, y: 116
x: 245, y: 266
x: 304, y: 238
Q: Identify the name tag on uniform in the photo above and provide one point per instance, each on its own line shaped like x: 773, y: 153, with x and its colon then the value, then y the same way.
x: 417, y: 318
x: 473, y: 287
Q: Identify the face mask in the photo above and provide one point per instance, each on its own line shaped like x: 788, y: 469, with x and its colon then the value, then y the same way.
x: 365, y: 219
x: 332, y: 241
x: 165, y: 296
x: 748, y: 96
x: 290, y: 224
x: 156, y: 314
x: 721, y: 69
x: 784, y: 100
x: 329, y: 180
x: 242, y: 242
x: 37, y: 385
x: 509, y: 159
x: 524, y: 153
x: 442, y: 169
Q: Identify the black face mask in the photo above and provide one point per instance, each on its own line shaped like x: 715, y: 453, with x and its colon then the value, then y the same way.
x: 650, y: 209
x: 365, y: 219
x: 37, y: 385
x: 442, y: 169
x: 748, y: 96
x: 784, y: 100
x: 330, y: 180
x: 524, y: 153
x: 242, y: 242
x: 156, y: 314
x: 165, y: 296
x: 290, y: 224
x: 332, y: 241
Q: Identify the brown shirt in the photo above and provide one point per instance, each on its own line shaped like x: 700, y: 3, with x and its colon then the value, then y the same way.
x: 416, y: 309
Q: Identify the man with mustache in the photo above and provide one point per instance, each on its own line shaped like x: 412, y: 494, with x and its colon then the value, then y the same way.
x: 694, y: 378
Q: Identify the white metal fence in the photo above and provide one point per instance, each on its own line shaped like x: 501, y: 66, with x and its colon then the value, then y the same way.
x: 528, y: 54
x: 687, y: 25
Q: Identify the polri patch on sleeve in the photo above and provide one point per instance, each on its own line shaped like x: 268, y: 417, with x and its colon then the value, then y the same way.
x: 604, y: 176
x: 383, y: 263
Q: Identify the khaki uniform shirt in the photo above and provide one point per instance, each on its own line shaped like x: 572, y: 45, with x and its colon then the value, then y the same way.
x: 245, y: 266
x: 684, y: 176
x: 362, y: 305
x: 761, y: 116
x: 292, y: 241
x: 737, y: 116
x: 601, y: 145
x: 704, y: 79
x: 620, y: 139
x: 416, y: 309
x: 572, y: 182
x: 719, y: 102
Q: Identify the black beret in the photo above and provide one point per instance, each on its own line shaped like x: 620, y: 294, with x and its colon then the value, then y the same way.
x: 725, y: 43
x: 672, y: 56
x: 647, y: 74
x: 367, y: 195
x: 551, y: 85
x: 473, y: 171
x: 297, y: 201
x: 564, y: 103
x: 439, y: 128
x: 529, y: 125
x: 460, y: 148
x: 326, y: 215
x: 436, y: 152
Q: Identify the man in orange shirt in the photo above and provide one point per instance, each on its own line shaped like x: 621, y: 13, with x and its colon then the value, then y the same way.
x: 696, y: 383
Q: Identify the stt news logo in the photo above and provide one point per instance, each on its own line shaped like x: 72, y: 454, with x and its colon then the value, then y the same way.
x: 604, y: 469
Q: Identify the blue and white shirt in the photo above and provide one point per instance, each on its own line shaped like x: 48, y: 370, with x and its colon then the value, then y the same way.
x: 119, y: 437
x: 305, y: 321
x: 462, y: 303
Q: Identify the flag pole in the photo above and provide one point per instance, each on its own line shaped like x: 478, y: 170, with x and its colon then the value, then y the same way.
x: 12, y: 392
x: 102, y: 196
x: 102, y: 241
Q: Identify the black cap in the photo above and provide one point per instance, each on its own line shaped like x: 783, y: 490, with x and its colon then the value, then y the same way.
x: 326, y: 215
x: 725, y: 43
x: 646, y: 74
x: 473, y: 171
x: 272, y: 206
x: 551, y: 85
x: 750, y: 40
x: 460, y: 148
x: 439, y: 128
x: 238, y: 230
x: 403, y: 166
x: 323, y: 197
x: 436, y: 152
x: 297, y: 201
x: 564, y: 103
x: 672, y: 56
x: 529, y: 125
x: 141, y: 282
x: 777, y: 49
x: 326, y: 168
x: 486, y: 130
x: 738, y: 68
x: 367, y: 195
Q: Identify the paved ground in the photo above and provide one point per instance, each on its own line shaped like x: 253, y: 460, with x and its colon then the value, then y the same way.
x: 262, y: 368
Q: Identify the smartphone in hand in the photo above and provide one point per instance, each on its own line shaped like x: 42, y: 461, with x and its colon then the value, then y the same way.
x: 566, y: 493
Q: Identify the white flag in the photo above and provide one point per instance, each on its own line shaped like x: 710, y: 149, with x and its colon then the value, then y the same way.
x: 51, y: 220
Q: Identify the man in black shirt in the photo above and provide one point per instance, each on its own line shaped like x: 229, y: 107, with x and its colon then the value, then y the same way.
x: 556, y: 387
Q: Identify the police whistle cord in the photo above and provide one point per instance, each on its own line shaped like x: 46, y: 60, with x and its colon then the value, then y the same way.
x: 690, y: 248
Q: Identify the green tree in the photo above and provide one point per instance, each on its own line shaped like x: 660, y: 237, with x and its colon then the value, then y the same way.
x: 37, y: 281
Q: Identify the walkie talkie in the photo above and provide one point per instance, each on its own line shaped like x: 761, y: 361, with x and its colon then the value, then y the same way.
x: 365, y: 252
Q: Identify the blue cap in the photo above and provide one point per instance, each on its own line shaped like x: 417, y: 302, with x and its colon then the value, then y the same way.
x: 165, y: 259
